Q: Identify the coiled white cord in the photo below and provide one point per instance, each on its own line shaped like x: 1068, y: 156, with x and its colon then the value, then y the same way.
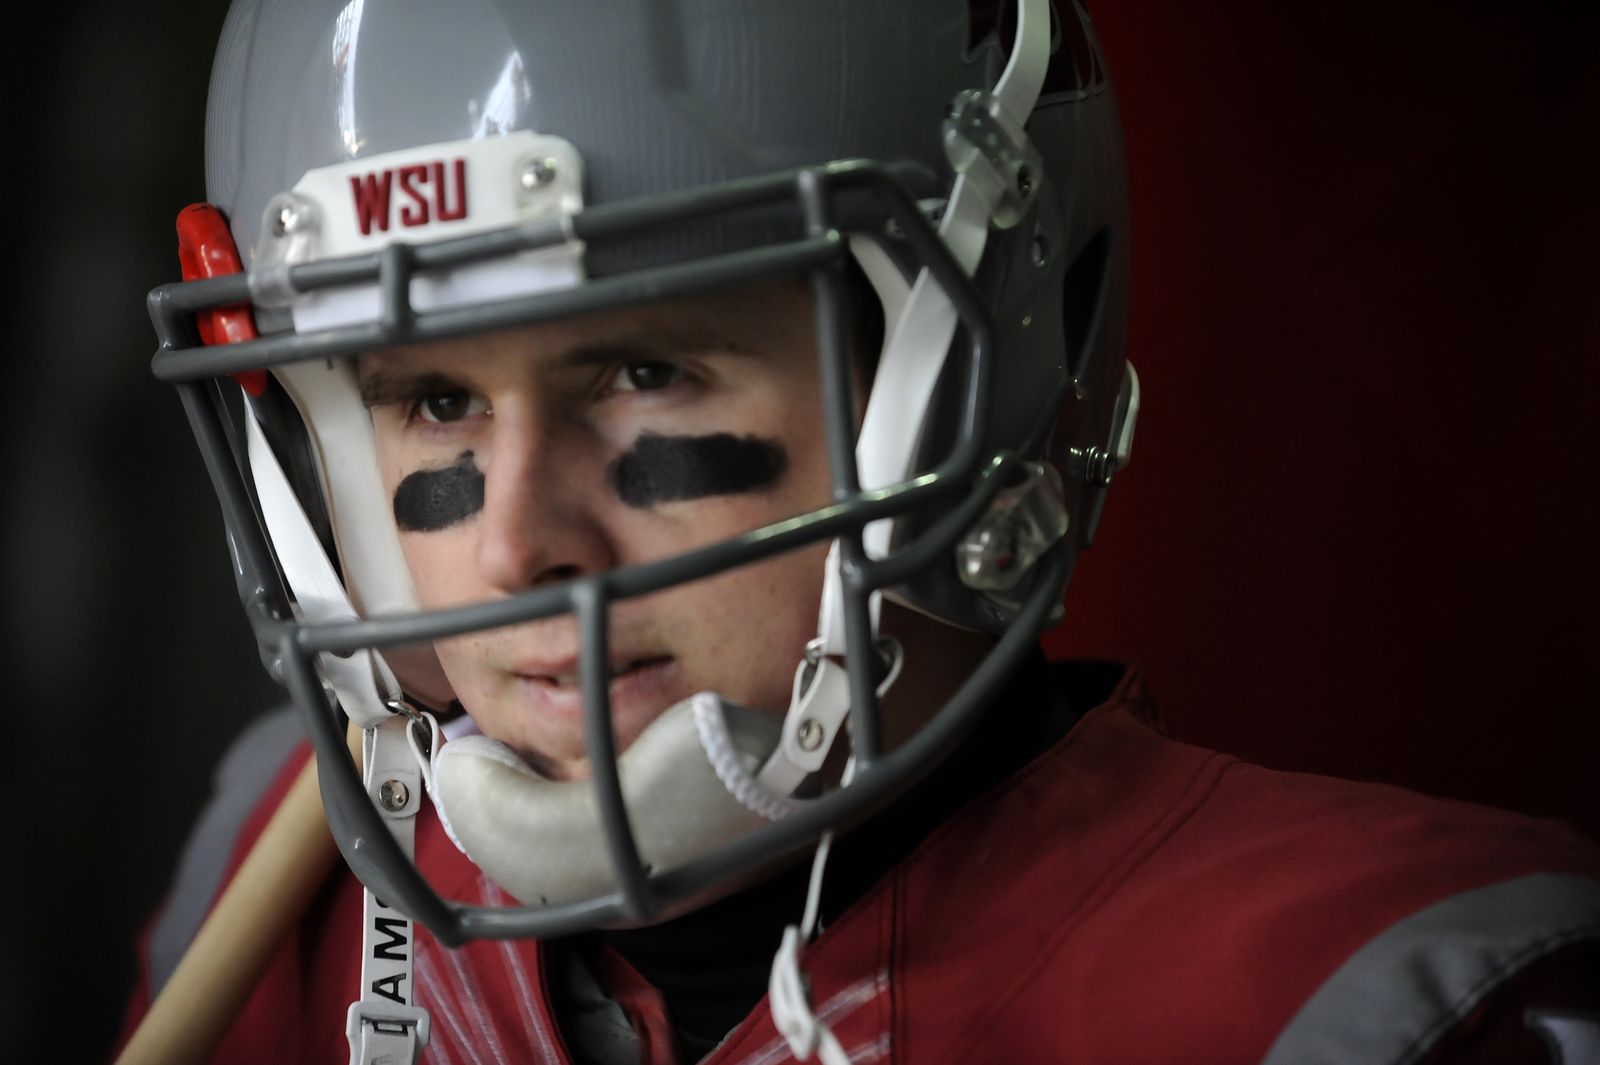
x: 712, y: 726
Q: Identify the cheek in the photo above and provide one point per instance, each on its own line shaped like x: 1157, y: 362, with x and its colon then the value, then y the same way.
x: 441, y: 565
x: 753, y: 625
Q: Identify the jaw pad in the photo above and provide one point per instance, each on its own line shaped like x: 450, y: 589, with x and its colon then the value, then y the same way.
x: 541, y: 840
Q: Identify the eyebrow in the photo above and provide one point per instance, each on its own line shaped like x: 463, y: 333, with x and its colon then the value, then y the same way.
x: 381, y: 387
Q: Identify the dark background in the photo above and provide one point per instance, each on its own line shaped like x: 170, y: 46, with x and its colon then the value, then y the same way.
x: 1359, y: 535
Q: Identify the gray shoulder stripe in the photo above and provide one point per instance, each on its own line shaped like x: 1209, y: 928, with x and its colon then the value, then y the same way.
x: 1397, y: 995
x: 242, y: 778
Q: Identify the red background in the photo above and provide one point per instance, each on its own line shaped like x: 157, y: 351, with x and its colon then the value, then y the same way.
x: 1360, y: 531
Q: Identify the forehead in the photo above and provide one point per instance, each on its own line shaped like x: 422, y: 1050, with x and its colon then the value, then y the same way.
x: 772, y: 317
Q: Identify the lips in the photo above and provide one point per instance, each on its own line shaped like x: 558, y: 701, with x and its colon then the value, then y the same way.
x: 641, y: 686
x: 544, y: 707
x: 564, y: 675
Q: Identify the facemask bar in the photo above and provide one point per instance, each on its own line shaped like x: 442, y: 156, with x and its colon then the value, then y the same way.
x: 829, y: 200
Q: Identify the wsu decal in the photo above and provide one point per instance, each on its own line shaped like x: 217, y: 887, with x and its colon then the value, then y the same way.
x: 413, y: 195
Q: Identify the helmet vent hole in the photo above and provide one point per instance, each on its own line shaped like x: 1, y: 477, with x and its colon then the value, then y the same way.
x: 1080, y: 299
x: 1075, y: 68
x: 991, y: 19
x: 997, y: 19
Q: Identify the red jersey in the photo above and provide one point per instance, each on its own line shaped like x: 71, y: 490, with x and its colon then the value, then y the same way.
x: 1124, y: 899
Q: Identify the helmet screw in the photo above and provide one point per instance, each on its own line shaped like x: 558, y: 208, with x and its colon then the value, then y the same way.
x: 285, y: 222
x: 393, y: 795
x: 1100, y: 468
x: 1024, y: 181
x: 810, y: 734
x: 538, y: 174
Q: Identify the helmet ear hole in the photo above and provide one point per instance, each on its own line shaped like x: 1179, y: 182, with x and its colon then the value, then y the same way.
x: 286, y: 434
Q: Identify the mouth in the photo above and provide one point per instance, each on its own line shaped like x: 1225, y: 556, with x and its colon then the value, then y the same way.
x: 548, y: 700
x: 566, y: 677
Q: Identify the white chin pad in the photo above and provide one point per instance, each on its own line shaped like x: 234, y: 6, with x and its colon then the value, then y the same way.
x: 541, y: 839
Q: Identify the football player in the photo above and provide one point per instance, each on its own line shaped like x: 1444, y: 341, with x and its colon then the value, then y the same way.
x: 661, y: 430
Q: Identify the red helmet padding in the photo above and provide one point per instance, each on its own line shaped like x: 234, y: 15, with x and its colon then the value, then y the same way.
x: 206, y: 249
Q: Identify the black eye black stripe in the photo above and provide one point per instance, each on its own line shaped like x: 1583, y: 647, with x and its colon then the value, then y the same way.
x: 429, y: 500
x: 665, y: 469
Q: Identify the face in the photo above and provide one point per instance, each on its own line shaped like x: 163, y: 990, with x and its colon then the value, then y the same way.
x: 561, y: 449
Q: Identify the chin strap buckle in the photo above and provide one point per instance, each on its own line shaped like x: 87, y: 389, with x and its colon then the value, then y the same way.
x: 817, y: 710
x: 385, y: 1033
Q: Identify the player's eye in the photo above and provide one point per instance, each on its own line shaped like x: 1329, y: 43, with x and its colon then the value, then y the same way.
x: 449, y: 406
x: 647, y: 376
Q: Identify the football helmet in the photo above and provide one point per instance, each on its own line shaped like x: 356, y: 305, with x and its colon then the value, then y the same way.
x: 385, y: 172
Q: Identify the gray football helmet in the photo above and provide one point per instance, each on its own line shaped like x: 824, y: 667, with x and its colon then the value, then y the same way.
x: 395, y: 171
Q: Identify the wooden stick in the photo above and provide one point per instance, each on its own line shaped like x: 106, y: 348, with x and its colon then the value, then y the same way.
x: 257, y: 912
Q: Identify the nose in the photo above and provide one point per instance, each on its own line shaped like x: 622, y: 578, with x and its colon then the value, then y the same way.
x: 538, y: 524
